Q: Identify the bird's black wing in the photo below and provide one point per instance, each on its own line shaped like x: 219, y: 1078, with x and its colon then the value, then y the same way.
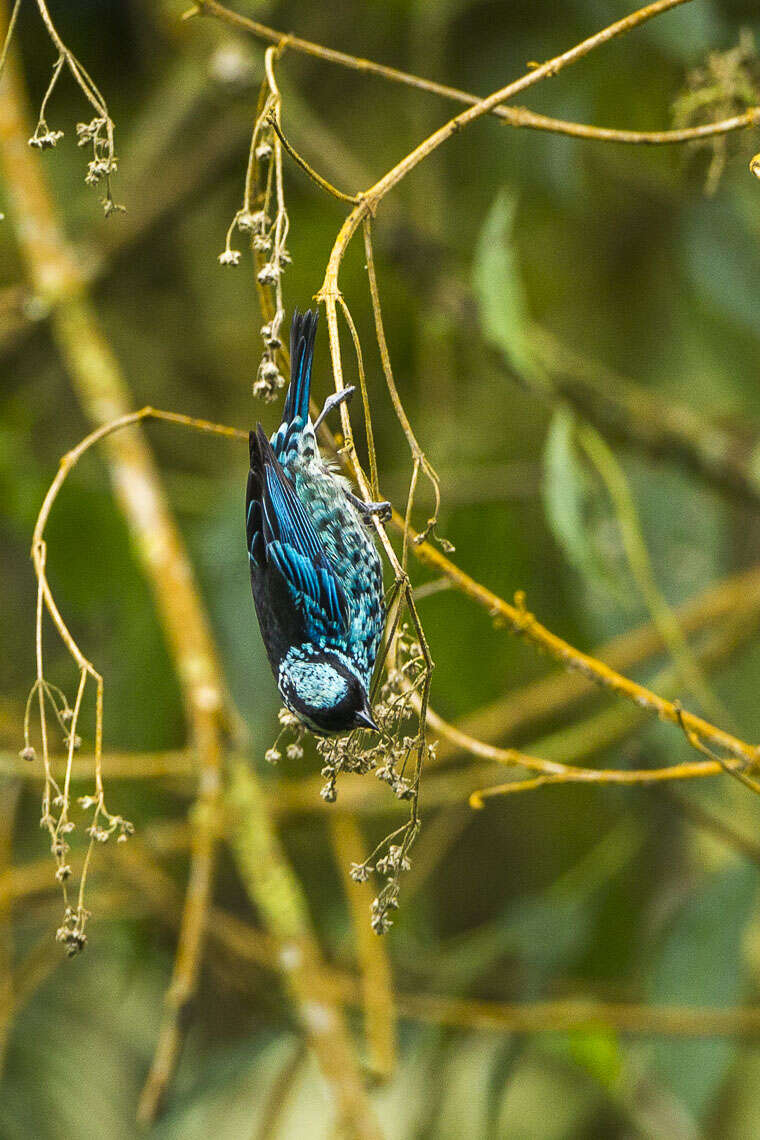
x: 281, y: 534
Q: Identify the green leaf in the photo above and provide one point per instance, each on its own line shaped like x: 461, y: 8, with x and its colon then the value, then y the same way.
x: 579, y: 511
x: 499, y: 292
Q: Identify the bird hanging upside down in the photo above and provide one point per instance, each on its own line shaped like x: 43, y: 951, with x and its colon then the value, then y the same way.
x: 315, y: 573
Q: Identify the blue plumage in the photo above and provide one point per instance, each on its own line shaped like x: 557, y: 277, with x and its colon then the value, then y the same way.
x: 315, y: 573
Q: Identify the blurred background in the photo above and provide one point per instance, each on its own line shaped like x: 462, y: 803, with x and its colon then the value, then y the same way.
x: 574, y: 332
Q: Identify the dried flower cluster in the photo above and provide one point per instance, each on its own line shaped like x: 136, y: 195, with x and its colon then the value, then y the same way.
x: 56, y: 805
x: 291, y: 731
x: 97, y: 134
x: 43, y: 138
x: 71, y: 931
x: 263, y: 217
x: 395, y: 759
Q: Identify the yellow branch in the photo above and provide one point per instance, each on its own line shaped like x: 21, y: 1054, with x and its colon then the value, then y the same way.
x: 517, y: 618
x: 514, y: 116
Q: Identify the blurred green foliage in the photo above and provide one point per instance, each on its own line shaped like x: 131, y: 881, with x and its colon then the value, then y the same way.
x: 569, y: 891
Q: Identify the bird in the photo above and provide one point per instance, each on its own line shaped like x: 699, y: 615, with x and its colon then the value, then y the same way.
x: 316, y: 575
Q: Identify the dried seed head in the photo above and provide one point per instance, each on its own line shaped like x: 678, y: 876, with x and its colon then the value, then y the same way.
x: 111, y: 207
x: 261, y: 222
x: 379, y: 919
x: 246, y: 222
x: 99, y: 168
x: 268, y: 380
x: 88, y: 132
x: 269, y: 274
x: 43, y: 138
x: 268, y: 370
x: 328, y: 792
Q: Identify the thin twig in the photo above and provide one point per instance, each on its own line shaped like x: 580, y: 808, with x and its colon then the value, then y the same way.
x: 418, y: 455
x: 300, y: 161
x: 374, y: 482
x: 9, y: 34
x: 577, y: 1013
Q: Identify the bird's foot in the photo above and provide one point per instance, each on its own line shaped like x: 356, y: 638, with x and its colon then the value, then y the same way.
x: 383, y: 510
x: 333, y: 402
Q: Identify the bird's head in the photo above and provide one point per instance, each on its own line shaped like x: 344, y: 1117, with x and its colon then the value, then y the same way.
x: 324, y: 693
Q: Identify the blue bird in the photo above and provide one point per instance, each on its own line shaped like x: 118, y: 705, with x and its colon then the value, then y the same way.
x: 316, y: 576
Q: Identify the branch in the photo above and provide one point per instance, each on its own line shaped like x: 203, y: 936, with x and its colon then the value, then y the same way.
x: 514, y: 116
x: 282, y: 905
x: 517, y: 618
x: 175, y: 765
x: 576, y: 1013
x: 600, y: 733
x: 372, y: 197
x: 557, y: 692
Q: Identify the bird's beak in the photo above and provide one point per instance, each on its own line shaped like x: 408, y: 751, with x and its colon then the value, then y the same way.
x: 363, y: 718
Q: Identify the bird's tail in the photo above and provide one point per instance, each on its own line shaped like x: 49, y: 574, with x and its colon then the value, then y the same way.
x: 303, y: 330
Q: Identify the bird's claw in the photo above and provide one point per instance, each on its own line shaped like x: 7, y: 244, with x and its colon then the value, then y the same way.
x: 383, y: 509
x: 333, y: 401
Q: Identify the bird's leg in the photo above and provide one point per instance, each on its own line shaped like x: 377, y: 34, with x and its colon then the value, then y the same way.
x: 334, y: 401
x: 383, y: 510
